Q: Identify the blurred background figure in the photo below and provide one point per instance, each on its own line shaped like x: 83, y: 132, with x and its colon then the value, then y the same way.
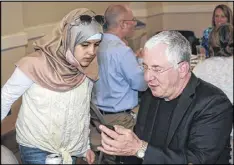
x: 120, y: 77
x: 7, y: 156
x: 221, y: 14
x: 218, y: 69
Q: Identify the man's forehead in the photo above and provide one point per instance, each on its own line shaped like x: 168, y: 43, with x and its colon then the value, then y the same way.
x: 158, y: 49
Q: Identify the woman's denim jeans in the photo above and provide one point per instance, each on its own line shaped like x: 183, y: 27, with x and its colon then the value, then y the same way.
x: 35, y: 156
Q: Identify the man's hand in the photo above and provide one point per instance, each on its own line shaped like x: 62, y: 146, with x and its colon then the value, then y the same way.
x: 122, y: 141
x: 90, y: 156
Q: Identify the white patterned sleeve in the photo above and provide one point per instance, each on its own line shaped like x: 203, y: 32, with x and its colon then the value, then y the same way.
x: 15, y: 86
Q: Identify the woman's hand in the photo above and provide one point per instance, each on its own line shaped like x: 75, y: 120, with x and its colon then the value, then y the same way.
x: 90, y: 156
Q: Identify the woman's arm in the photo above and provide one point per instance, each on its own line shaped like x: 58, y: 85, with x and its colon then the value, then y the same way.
x: 16, y: 85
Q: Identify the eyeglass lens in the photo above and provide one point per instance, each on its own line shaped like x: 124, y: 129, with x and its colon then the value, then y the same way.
x: 88, y: 19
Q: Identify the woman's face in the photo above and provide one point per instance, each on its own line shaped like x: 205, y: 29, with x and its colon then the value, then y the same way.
x: 86, y: 51
x: 219, y: 17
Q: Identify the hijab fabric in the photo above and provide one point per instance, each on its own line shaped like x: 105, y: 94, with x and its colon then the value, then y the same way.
x: 53, y: 65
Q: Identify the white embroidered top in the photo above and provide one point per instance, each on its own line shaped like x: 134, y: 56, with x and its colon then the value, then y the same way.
x: 57, y: 122
x: 219, y: 72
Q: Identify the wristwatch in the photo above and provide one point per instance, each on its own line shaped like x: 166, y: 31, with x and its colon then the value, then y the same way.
x: 141, y: 152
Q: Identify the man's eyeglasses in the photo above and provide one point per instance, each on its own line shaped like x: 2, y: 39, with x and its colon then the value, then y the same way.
x: 155, y: 69
x: 88, y: 19
x: 134, y: 19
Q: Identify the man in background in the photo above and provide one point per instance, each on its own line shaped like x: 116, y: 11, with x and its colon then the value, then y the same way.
x: 120, y: 77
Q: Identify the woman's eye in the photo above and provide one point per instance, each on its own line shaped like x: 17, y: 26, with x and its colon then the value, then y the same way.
x: 84, y: 45
x: 97, y: 44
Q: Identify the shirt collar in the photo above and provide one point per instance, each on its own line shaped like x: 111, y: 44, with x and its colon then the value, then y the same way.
x: 110, y: 36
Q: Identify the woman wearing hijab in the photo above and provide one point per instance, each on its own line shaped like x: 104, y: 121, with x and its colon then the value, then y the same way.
x: 56, y: 82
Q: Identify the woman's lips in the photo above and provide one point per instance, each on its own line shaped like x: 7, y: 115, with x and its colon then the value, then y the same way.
x: 88, y: 59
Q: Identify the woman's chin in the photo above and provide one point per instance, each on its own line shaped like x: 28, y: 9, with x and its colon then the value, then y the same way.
x: 85, y: 64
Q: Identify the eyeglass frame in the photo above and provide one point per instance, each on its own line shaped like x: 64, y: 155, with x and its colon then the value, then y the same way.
x: 157, y: 72
x: 133, y: 19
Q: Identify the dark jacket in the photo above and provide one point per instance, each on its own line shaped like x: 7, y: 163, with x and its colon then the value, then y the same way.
x: 200, y: 128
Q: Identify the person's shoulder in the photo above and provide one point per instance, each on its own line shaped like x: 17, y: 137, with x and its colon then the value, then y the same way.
x: 35, y: 56
x: 207, y: 65
x: 124, y: 50
x: 207, y: 31
x: 208, y: 90
x: 113, y: 44
x: 201, y: 68
x: 211, y: 63
x: 207, y: 97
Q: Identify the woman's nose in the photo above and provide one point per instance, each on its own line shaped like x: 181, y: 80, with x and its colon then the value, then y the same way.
x: 91, y: 50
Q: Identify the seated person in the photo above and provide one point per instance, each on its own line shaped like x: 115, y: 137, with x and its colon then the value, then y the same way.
x: 221, y: 14
x: 182, y: 119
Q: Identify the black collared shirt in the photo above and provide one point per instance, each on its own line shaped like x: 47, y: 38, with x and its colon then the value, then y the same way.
x: 162, y: 122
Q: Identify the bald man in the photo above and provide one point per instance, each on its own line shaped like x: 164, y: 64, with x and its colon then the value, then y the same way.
x: 120, y: 77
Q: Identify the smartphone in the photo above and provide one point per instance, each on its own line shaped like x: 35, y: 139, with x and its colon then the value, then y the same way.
x: 110, y: 127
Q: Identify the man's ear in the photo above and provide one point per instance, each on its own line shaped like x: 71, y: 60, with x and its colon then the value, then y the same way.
x: 183, y: 68
x: 122, y: 24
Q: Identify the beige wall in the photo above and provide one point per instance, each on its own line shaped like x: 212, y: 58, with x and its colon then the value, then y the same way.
x: 187, y: 21
x: 47, y: 12
x: 9, y: 58
x: 195, y: 16
x: 11, y: 18
x: 191, y: 3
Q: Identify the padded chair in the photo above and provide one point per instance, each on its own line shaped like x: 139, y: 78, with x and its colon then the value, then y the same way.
x: 190, y: 36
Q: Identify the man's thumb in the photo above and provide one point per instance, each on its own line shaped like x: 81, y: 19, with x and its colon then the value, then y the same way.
x: 120, y: 129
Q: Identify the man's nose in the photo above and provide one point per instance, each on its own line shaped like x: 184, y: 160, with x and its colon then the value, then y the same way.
x: 148, y: 76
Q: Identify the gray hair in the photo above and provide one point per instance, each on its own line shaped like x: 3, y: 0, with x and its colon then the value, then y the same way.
x: 178, y: 48
x: 113, y: 13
